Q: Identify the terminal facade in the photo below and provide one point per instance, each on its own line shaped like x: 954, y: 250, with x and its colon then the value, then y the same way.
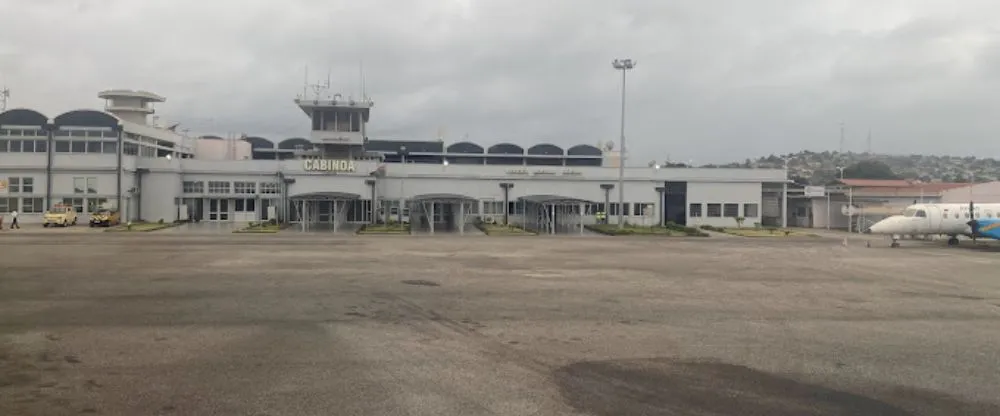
x: 337, y: 177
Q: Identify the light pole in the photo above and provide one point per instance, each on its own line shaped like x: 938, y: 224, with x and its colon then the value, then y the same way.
x: 623, y: 65
x: 784, y: 198
x: 402, y: 181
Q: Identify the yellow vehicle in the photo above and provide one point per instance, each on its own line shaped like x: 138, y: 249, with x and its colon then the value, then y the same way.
x: 61, y: 215
x: 105, y: 218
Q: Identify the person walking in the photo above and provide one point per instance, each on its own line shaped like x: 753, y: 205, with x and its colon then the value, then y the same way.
x: 13, y: 220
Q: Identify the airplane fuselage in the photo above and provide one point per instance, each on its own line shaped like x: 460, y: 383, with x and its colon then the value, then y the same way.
x: 950, y: 219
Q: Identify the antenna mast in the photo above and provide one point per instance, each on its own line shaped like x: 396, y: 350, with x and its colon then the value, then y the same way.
x: 4, y: 95
x: 869, y: 141
x: 364, y: 92
x: 841, y: 137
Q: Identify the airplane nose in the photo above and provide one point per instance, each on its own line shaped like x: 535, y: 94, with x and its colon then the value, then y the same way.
x: 877, y: 228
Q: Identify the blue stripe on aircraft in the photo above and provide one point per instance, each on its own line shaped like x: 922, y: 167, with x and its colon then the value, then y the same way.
x: 989, y: 227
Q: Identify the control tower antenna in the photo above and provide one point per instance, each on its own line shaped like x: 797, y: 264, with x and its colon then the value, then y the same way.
x: 305, y: 84
x: 4, y: 95
x: 364, y: 88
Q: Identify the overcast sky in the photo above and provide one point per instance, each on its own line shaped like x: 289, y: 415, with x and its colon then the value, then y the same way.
x: 716, y: 80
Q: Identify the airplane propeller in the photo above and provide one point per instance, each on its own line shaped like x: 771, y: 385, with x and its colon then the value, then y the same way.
x: 973, y: 224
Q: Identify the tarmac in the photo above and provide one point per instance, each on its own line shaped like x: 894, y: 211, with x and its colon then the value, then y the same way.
x: 292, y: 324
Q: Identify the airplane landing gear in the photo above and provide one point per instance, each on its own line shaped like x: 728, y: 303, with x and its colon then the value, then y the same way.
x: 895, y: 242
x: 953, y: 241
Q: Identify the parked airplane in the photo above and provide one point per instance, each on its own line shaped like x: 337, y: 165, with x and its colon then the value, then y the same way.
x: 942, y: 219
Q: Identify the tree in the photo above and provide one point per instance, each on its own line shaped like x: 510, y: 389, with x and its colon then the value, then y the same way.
x: 870, y: 169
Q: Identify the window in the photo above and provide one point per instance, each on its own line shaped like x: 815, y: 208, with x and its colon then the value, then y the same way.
x: 750, y: 211
x: 41, y: 146
x: 78, y: 146
x: 93, y: 147
x: 6, y: 204
x: 492, y: 207
x: 694, y: 210
x: 76, y: 203
x: 32, y: 206
x: 359, y: 210
x: 246, y: 205
x: 20, y: 185
x: 639, y: 208
x: 714, y: 210
x: 218, y: 187
x: 194, y: 187
x: 244, y: 187
x: 3, y: 145
x: 62, y: 146
x: 731, y: 210
x: 269, y: 188
x: 85, y: 185
x: 922, y: 214
x: 95, y: 204
x: 109, y: 147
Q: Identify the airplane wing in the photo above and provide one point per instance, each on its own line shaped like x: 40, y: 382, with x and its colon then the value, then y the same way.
x: 986, y: 227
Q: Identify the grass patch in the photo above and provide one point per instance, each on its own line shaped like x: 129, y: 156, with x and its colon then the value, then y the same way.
x: 391, y: 228
x: 668, y: 230
x: 759, y: 231
x: 502, y: 229
x: 266, y: 227
x: 141, y: 227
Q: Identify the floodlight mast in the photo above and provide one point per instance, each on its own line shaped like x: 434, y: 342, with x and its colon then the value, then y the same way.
x: 623, y: 65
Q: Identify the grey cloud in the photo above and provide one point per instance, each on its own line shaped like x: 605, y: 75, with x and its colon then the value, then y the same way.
x: 716, y: 81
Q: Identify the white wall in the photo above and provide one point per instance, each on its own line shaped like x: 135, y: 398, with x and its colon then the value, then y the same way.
x: 225, y: 149
x: 157, y: 196
x: 981, y: 193
x: 722, y: 193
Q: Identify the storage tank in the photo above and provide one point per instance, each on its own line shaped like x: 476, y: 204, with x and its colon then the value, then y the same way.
x: 217, y: 148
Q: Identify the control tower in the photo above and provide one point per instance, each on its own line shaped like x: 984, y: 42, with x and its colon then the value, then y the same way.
x: 338, y: 123
x: 129, y: 105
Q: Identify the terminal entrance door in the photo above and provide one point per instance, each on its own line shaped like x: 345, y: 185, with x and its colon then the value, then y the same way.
x: 675, y: 202
x: 324, y: 212
x: 218, y: 209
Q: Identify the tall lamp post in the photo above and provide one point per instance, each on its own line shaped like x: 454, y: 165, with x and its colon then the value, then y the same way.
x: 623, y: 65
x: 402, y: 181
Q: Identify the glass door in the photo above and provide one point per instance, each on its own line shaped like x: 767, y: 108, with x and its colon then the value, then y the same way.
x: 223, y: 210
x: 213, y: 209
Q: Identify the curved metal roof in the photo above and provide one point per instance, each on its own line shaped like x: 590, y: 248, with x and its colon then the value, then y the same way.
x: 327, y: 196
x: 442, y: 198
x: 553, y: 199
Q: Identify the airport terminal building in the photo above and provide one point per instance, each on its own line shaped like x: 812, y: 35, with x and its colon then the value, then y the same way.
x: 338, y: 177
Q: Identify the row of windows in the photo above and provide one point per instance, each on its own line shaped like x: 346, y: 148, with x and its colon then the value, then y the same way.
x: 61, y: 146
x: 26, y: 185
x: 631, y: 208
x: 17, y: 185
x: 36, y: 205
x: 224, y: 187
x: 23, y: 205
x: 724, y: 210
x: 80, y: 146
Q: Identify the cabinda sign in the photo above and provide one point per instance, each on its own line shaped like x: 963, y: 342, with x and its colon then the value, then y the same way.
x: 325, y: 165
